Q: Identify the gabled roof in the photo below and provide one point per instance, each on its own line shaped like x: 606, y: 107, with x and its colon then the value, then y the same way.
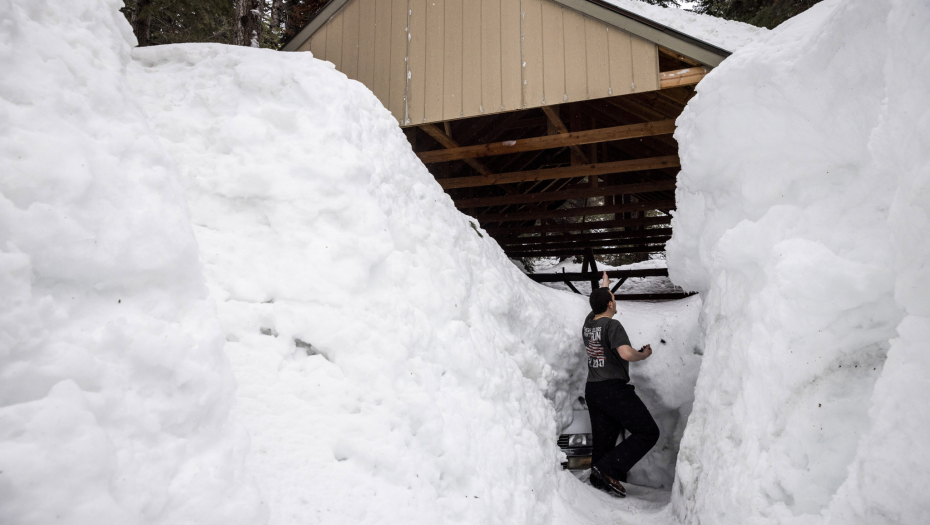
x: 638, y: 25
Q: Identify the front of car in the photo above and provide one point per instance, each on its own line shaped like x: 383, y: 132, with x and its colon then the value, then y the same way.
x: 575, y: 441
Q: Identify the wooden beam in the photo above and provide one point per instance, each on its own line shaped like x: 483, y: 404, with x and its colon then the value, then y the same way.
x: 580, y: 226
x: 597, y: 243
x: 678, y: 56
x: 616, y: 286
x: 613, y: 274
x: 584, y: 170
x: 593, y: 136
x: 668, y: 296
x: 579, y: 193
x: 633, y: 234
x: 447, y: 142
x: 552, y: 113
x: 682, y: 77
x: 580, y: 251
x: 574, y: 212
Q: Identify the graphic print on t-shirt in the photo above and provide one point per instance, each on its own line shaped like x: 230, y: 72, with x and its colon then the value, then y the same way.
x: 593, y: 346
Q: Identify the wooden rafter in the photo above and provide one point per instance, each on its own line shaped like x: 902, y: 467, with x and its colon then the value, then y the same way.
x: 584, y: 170
x: 574, y: 212
x: 580, y: 226
x: 524, y: 241
x: 447, y: 142
x: 578, y: 193
x: 580, y: 251
x: 590, y: 244
x: 552, y: 113
x: 613, y: 274
x: 631, y: 131
x: 682, y: 77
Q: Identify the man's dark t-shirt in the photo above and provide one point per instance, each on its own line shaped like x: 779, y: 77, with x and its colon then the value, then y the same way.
x: 601, y: 339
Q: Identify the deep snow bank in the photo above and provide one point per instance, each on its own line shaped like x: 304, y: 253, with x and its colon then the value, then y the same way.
x: 114, y: 390
x: 803, y: 218
x: 394, y: 366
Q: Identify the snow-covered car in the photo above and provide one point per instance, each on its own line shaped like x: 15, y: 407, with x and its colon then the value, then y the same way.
x: 575, y: 441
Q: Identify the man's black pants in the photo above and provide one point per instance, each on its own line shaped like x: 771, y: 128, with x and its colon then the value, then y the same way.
x: 614, y: 406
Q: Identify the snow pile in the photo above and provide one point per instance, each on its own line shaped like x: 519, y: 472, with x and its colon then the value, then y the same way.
x: 803, y: 210
x: 725, y: 34
x: 393, y: 365
x: 114, y: 390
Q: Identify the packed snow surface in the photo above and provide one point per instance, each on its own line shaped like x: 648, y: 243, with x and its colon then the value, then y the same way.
x: 725, y: 34
x: 804, y: 219
x: 114, y: 390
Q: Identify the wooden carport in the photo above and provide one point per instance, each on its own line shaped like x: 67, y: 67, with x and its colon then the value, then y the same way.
x: 548, y: 121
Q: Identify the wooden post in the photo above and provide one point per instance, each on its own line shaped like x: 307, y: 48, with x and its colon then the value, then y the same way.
x: 594, y: 282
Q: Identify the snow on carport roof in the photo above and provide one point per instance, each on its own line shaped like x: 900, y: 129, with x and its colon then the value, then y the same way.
x: 727, y: 34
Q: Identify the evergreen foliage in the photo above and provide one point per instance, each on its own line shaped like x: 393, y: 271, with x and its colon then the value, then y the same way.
x: 299, y: 13
x: 174, y: 21
x: 761, y: 13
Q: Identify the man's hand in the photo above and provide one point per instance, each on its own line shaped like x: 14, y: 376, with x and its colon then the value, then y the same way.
x: 605, y: 281
x: 629, y: 354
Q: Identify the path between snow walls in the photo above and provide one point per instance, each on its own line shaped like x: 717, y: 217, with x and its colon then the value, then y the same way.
x: 803, y: 207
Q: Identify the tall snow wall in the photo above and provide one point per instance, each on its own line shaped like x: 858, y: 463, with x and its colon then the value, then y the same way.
x: 803, y: 208
x: 114, y: 390
x: 393, y: 365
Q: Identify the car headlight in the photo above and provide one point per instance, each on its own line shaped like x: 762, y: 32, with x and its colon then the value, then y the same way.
x: 579, y: 440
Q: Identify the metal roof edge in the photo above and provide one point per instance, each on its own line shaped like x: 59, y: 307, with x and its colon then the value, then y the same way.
x: 641, y: 26
x: 321, y: 17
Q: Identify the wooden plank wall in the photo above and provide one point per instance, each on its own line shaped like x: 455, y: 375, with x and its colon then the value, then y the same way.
x: 435, y: 60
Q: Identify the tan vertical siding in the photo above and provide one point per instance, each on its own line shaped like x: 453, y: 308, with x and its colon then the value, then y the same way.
x: 435, y: 60
x: 398, y: 59
x: 490, y: 56
x: 553, y: 53
x: 621, y: 61
x: 416, y: 62
x: 471, y: 59
x: 511, y: 67
x: 452, y: 61
x: 576, y: 70
x: 366, y: 43
x: 350, y: 39
x: 435, y: 40
x: 334, y: 41
x: 645, y: 65
x: 381, y: 85
x: 531, y: 30
x: 318, y: 43
x: 595, y: 34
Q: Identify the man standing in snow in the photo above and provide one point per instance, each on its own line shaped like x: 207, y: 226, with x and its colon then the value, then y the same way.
x: 612, y: 402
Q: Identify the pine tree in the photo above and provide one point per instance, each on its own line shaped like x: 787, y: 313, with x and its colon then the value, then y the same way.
x: 249, y: 22
x: 299, y: 13
x: 157, y: 22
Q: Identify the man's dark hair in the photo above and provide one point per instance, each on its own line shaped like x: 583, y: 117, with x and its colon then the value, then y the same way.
x: 599, y: 300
